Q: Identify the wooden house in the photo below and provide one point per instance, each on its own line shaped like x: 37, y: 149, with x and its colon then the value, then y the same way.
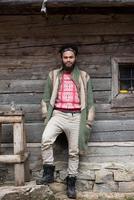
x: 29, y: 44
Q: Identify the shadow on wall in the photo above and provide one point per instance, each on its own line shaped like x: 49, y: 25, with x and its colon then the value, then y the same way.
x: 61, y: 148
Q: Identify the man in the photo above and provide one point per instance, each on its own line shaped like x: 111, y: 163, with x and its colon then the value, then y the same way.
x: 67, y: 106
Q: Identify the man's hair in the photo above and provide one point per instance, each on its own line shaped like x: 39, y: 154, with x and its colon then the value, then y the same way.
x: 69, y: 47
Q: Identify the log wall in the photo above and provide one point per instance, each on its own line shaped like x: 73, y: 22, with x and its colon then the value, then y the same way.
x: 28, y: 51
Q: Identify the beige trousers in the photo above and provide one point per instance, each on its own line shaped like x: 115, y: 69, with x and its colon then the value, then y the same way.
x: 69, y: 124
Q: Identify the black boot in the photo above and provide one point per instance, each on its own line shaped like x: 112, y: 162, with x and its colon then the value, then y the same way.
x: 48, y: 175
x: 71, y: 193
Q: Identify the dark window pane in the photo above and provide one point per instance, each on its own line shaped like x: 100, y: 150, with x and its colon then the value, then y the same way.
x: 133, y: 72
x: 133, y: 84
x: 125, y: 85
x: 125, y: 72
x: 126, y: 76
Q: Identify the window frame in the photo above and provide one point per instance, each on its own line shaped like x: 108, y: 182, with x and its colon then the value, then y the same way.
x: 120, y: 100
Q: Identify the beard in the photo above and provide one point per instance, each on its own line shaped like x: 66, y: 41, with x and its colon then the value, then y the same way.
x: 68, y: 69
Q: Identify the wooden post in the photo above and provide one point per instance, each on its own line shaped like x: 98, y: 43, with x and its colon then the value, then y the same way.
x: 20, y: 156
x: 0, y: 136
x: 26, y: 163
x: 18, y: 137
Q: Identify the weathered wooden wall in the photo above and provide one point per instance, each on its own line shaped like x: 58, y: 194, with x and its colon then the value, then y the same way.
x: 28, y: 51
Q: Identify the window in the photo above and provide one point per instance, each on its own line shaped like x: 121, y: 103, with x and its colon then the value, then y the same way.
x: 126, y: 77
x: 123, y: 82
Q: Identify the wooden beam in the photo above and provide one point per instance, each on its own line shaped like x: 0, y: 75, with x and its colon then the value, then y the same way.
x: 10, y: 119
x: 66, y: 6
x: 18, y: 135
x: 90, y: 144
x: 89, y: 3
x: 12, y: 159
x: 69, y: 3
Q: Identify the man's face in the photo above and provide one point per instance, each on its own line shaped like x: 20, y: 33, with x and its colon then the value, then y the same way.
x: 68, y: 60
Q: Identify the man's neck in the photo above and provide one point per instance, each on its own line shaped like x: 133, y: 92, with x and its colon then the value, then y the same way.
x: 66, y: 72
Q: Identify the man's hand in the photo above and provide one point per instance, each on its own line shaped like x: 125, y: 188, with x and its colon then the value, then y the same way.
x: 88, y: 125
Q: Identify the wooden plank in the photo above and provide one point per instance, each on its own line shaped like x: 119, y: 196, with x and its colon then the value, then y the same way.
x: 108, y: 159
x: 0, y: 137
x: 36, y: 163
x: 113, y: 136
x: 68, y: 29
x: 114, y: 150
x: 18, y: 137
x: 20, y: 73
x: 104, y: 111
x: 61, y: 3
x: 89, y: 45
x: 12, y: 159
x: 34, y: 134
x: 99, y: 156
x: 103, y: 130
x: 101, y: 84
x: 32, y: 111
x: 19, y: 149
x: 112, y: 115
x: 95, y: 70
x: 21, y: 20
x: 102, y: 3
x: 107, y: 108
x: 22, y: 98
x: 26, y: 161
x: 35, y: 98
x: 33, y: 108
x: 107, y: 152
x: 116, y: 48
x: 113, y: 125
x: 10, y: 119
x: 33, y: 6
x: 20, y: 86
x: 126, y: 100
x: 103, y: 28
x: 115, y: 81
x: 26, y: 62
x: 102, y: 97
x: 20, y: 2
x: 90, y: 144
x: 24, y: 22
x: 111, y: 144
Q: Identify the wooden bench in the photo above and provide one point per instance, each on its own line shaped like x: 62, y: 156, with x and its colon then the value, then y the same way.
x: 19, y: 158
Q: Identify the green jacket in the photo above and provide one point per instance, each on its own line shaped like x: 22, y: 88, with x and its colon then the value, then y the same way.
x: 84, y: 87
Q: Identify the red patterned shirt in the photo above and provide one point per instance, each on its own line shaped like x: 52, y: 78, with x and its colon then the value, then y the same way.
x: 67, y: 97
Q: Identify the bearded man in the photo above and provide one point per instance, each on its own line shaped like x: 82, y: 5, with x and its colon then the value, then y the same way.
x: 67, y: 106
